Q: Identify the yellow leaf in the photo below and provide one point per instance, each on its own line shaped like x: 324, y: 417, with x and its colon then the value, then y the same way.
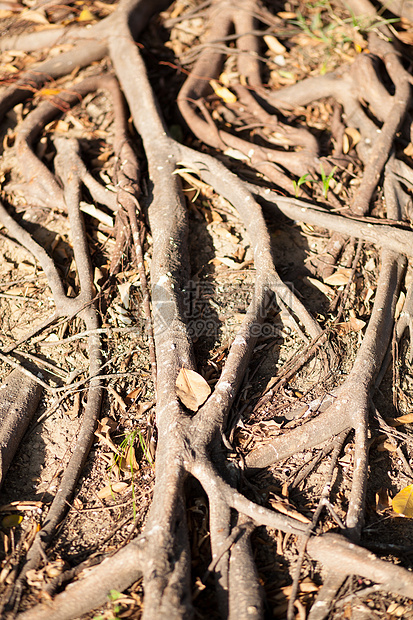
x: 85, y: 16
x: 402, y: 503
x: 50, y: 92
x: 222, y: 92
x: 11, y: 520
x: 191, y: 389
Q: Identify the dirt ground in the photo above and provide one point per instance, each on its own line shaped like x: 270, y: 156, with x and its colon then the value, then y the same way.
x: 114, y: 493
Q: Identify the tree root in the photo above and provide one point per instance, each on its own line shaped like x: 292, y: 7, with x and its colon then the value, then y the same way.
x: 190, y: 443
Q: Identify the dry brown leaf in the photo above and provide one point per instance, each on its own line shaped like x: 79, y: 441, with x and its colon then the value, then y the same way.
x: 405, y: 37
x: 339, y: 277
x: 128, y: 460
x: 132, y: 396
x: 110, y: 489
x: 351, y: 137
x: 38, y: 17
x: 191, y: 389
x: 387, y: 446
x: 352, y: 325
x: 320, y: 286
x: 399, y: 305
x: 383, y: 500
x: 286, y: 509
x: 405, y: 419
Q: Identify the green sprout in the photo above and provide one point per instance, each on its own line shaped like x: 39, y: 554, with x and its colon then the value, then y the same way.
x: 326, y: 180
x: 301, y: 181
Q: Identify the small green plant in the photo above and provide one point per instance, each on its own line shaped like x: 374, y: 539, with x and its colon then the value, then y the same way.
x: 367, y: 24
x: 304, y: 179
x: 326, y: 180
x: 113, y: 596
x: 125, y: 459
x: 317, y: 29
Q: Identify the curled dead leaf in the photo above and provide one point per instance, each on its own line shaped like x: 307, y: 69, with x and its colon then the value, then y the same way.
x: 191, y: 389
x: 351, y: 137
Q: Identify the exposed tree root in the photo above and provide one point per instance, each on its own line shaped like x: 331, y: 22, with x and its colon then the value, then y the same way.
x: 190, y: 444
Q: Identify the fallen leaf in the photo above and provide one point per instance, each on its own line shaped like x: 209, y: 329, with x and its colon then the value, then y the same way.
x: 320, y: 286
x: 85, y: 16
x: 191, y: 389
x: 399, y: 305
x: 274, y: 45
x: 236, y: 154
x: 222, y: 92
x: 287, y: 14
x: 339, y: 277
x: 124, y: 290
x: 383, y: 500
x: 128, y: 460
x: 405, y: 419
x: 405, y: 37
x: 351, y: 137
x: 402, y: 503
x: 11, y: 520
x: 110, y: 489
x: 38, y: 17
x: 387, y: 446
x: 50, y: 92
x: 409, y: 150
x: 352, y: 325
x: 286, y: 509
